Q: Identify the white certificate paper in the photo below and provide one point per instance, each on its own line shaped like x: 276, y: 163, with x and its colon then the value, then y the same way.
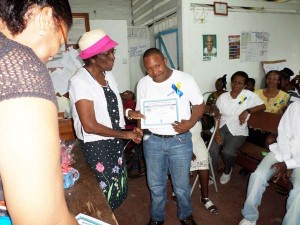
x: 83, y: 219
x: 159, y: 112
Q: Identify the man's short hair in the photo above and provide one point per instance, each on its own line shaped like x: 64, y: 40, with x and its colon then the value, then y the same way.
x: 152, y: 51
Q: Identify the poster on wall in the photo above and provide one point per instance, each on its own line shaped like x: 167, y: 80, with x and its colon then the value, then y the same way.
x: 234, y: 46
x: 209, y: 47
x: 254, y: 46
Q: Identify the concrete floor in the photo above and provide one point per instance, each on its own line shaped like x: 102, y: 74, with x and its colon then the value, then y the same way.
x: 229, y: 200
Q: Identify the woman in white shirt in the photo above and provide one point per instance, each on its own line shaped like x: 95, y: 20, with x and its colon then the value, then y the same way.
x: 233, y: 110
x: 98, y: 115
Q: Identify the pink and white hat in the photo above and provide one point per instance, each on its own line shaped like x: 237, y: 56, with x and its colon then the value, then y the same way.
x: 94, y: 42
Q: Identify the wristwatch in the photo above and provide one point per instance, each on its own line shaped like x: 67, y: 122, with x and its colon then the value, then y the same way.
x: 248, y: 110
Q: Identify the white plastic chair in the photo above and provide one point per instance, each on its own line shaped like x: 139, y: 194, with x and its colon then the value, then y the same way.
x: 210, y: 162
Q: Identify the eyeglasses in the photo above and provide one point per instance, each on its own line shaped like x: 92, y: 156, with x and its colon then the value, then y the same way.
x: 108, y: 53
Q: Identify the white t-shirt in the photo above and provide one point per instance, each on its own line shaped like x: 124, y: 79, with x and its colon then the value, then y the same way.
x: 148, y: 89
x: 213, y: 52
x: 230, y: 110
x: 83, y: 86
x: 287, y: 148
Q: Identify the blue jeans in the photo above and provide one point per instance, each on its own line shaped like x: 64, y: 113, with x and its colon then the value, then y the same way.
x: 257, y: 185
x: 173, y: 155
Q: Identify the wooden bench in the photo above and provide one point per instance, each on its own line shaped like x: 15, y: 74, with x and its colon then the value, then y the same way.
x: 85, y: 196
x: 250, y: 155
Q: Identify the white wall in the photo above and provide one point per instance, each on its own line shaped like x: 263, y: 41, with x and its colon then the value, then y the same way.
x: 283, y: 28
x: 284, y: 43
x: 104, y: 9
x: 138, y: 43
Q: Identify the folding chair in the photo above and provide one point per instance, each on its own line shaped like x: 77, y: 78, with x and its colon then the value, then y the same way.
x: 210, y: 162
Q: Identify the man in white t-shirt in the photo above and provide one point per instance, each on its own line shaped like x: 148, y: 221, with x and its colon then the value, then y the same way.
x: 169, y: 148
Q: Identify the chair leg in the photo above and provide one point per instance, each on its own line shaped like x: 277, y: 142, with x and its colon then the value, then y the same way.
x: 212, y: 173
x: 194, y: 184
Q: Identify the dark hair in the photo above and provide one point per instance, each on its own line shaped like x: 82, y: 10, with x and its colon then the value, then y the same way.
x: 286, y: 73
x: 223, y: 80
x: 251, y: 81
x: 13, y: 12
x: 152, y: 51
x: 240, y: 74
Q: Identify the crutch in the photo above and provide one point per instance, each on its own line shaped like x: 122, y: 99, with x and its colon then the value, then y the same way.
x: 209, y: 159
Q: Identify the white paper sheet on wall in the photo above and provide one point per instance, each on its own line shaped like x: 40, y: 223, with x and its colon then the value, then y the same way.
x: 274, y: 65
x: 254, y: 46
x: 63, y: 68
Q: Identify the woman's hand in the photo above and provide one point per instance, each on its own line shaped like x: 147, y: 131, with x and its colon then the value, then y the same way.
x: 135, y: 135
x: 194, y: 157
x: 215, y: 112
x: 243, y: 117
x: 218, y: 138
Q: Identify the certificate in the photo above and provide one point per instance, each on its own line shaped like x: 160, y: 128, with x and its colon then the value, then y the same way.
x: 159, y: 112
x: 83, y: 219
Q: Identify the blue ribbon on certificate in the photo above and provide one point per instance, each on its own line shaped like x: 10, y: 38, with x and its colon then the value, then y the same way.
x: 176, y: 89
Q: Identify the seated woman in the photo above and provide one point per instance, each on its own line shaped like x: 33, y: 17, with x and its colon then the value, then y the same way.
x: 207, y: 120
x: 275, y: 101
x: 295, y: 93
x: 286, y: 75
x: 200, y: 163
x: 233, y: 110
x: 128, y: 99
x: 250, y: 84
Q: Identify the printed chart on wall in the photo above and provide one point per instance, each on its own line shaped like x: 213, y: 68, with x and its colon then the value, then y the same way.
x: 254, y: 46
x: 209, y: 47
x: 234, y: 46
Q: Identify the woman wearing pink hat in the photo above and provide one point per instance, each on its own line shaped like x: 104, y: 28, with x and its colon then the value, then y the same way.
x: 98, y: 115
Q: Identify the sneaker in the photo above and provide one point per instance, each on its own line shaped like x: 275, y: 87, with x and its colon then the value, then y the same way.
x: 225, y: 177
x: 247, y: 222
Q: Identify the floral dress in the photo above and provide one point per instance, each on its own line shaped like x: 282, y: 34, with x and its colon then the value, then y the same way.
x: 106, y: 158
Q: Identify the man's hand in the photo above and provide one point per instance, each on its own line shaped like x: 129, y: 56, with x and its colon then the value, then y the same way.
x: 287, y: 175
x: 135, y: 135
x: 135, y: 115
x: 280, y: 172
x: 183, y: 126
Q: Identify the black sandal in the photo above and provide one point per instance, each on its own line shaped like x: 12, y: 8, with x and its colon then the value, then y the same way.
x: 209, y: 205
